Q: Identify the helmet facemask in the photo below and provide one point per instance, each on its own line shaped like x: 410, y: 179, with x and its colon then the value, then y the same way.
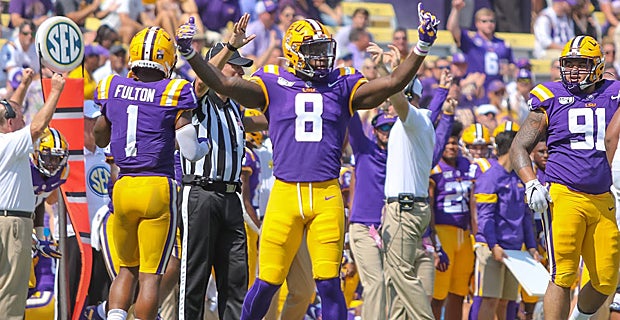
x: 50, y: 161
x: 578, y: 66
x: 322, y: 52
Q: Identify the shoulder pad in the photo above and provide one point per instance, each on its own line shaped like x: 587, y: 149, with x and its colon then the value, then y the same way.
x: 436, y: 169
x: 542, y: 92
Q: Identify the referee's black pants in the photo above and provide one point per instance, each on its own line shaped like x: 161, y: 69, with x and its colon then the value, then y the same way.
x: 213, y: 236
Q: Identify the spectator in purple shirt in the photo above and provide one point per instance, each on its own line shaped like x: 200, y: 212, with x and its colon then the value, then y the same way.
x: 264, y: 28
x: 215, y: 14
x: 35, y: 10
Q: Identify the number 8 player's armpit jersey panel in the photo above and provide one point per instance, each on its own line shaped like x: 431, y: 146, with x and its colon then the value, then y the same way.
x: 307, y: 121
x: 143, y: 117
x: 576, y: 133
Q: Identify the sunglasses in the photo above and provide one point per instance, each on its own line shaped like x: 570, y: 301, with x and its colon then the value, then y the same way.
x: 443, y: 67
x: 385, y: 127
x: 10, y: 113
x: 487, y: 20
x: 26, y: 33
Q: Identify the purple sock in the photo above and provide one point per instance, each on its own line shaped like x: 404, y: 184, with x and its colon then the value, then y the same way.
x: 475, y: 308
x: 257, y: 300
x: 511, y: 310
x: 332, y: 300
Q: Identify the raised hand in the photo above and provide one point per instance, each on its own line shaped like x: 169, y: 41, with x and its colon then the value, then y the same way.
x: 58, y: 82
x: 185, y: 35
x: 238, y: 38
x: 27, y: 75
x: 427, y: 31
x: 376, y: 53
x: 46, y: 248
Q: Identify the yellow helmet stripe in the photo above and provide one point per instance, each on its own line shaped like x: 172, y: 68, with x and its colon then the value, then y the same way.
x: 149, y: 43
x: 173, y: 90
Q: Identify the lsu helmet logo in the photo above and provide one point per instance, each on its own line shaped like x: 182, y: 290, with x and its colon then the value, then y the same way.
x: 60, y: 44
x: 97, y: 180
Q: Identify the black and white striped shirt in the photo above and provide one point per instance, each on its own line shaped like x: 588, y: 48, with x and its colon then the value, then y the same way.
x: 221, y: 122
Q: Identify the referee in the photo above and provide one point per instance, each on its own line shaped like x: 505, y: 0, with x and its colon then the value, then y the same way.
x: 211, y: 208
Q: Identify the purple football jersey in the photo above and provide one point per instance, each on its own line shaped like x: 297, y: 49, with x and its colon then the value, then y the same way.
x: 503, y: 215
x: 452, y: 188
x: 143, y: 117
x: 307, y: 121
x: 251, y: 162
x: 485, y: 56
x: 44, y: 185
x: 576, y: 134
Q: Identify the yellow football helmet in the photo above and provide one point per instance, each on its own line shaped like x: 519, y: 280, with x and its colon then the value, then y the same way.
x: 257, y: 137
x: 476, y: 134
x: 506, y: 126
x: 308, y: 40
x: 153, y: 48
x: 51, y: 153
x: 587, y: 49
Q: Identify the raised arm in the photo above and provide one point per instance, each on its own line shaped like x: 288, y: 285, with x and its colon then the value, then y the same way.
x: 376, y: 91
x: 237, y: 40
x: 247, y: 93
x: 20, y: 92
x: 453, y: 21
x: 42, y: 119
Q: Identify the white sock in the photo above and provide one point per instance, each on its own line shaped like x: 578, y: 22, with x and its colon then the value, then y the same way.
x: 117, y: 314
x: 578, y: 315
x: 101, y: 310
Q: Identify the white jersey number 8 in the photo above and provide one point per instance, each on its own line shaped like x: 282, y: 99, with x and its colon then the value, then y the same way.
x: 313, y: 116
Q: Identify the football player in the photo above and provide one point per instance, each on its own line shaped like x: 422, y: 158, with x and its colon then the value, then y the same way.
x: 308, y: 105
x: 450, y: 192
x: 142, y: 116
x: 574, y: 114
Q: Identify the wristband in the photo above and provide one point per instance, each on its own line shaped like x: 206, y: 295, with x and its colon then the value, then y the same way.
x: 230, y: 47
x: 188, y: 55
x: 422, y: 48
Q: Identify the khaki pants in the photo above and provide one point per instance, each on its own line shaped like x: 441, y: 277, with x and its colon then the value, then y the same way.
x: 15, y: 249
x: 402, y: 231
x: 425, y: 269
x: 369, y: 261
x: 300, y: 284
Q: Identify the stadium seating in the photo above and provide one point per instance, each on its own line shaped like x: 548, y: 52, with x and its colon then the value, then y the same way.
x: 381, y: 14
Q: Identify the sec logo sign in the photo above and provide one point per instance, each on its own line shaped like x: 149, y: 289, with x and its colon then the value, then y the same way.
x: 60, y: 44
x: 97, y: 180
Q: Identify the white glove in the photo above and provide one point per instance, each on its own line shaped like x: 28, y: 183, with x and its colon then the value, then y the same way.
x: 538, y: 197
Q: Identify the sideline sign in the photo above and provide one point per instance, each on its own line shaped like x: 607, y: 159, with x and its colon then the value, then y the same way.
x: 60, y: 44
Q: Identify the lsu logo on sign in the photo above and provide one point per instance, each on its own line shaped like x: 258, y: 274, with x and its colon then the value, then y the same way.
x: 60, y: 43
x: 97, y: 180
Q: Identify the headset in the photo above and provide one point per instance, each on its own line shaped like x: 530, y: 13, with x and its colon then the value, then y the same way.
x: 10, y: 113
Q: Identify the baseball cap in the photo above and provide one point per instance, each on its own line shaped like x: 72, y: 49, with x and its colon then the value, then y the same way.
x: 117, y: 49
x: 496, y: 85
x: 235, y: 59
x: 265, y: 6
x: 486, y: 109
x: 413, y: 88
x: 523, y: 63
x: 383, y: 118
x: 458, y: 58
x: 95, y: 50
x: 524, y: 74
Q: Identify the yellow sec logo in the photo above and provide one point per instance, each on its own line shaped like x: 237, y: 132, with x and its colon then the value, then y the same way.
x: 60, y: 44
